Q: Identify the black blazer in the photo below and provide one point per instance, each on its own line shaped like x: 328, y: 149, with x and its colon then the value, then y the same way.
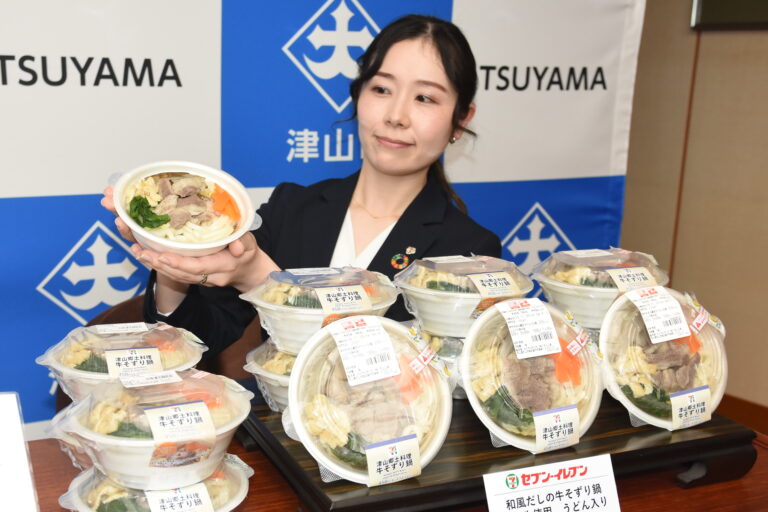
x: 299, y: 229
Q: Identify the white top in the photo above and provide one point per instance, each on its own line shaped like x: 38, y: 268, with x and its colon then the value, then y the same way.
x: 344, y: 252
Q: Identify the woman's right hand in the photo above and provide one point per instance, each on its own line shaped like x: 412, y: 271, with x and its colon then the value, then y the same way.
x: 108, y: 202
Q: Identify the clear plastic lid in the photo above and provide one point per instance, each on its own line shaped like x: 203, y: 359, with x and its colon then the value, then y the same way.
x: 642, y: 374
x: 92, y: 491
x: 590, y: 267
x: 267, y: 359
x: 83, y: 349
x: 335, y: 420
x: 452, y: 274
x: 506, y: 390
x: 119, y: 412
x: 303, y: 288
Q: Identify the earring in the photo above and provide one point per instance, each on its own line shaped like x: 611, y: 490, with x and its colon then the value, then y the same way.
x: 453, y: 139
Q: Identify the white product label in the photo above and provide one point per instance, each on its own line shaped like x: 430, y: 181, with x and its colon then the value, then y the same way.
x: 365, y: 348
x: 702, y: 318
x: 690, y: 407
x: 587, y: 253
x: 495, y: 284
x: 192, y: 498
x: 120, y: 328
x: 393, y: 460
x: 530, y: 326
x: 579, y: 342
x: 339, y: 301
x: 556, y: 428
x: 132, y: 361
x: 149, y: 379
x: 426, y: 353
x: 449, y: 259
x: 561, y: 486
x: 662, y: 314
x: 630, y: 278
x: 183, y: 433
x: 15, y: 470
x: 316, y: 271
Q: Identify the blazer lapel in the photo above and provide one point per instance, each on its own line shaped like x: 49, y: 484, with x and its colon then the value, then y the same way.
x: 415, y: 231
x: 323, y: 220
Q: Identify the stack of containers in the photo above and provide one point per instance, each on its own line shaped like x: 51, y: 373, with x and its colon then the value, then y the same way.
x: 125, y: 380
x: 446, y: 294
x: 155, y: 437
x: 532, y: 375
x: 360, y: 385
x: 586, y: 282
x: 293, y: 305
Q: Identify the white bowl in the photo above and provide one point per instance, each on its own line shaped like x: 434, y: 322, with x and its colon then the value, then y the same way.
x: 489, y: 319
x: 318, y: 344
x: 73, y: 499
x: 156, y: 243
x: 78, y: 384
x: 443, y: 313
x: 709, y: 336
x: 588, y: 304
x: 126, y: 460
x: 273, y: 386
x: 291, y: 327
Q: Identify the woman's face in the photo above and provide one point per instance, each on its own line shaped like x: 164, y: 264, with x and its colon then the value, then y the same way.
x: 404, y: 112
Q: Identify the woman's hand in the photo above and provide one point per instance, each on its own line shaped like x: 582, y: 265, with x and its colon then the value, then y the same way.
x: 241, y: 264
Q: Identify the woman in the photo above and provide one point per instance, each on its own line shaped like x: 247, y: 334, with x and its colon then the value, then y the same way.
x: 413, y: 96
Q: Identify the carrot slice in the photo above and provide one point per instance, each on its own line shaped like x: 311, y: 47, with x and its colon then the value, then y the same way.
x: 693, y: 342
x: 408, y: 381
x: 567, y: 365
x: 224, y: 203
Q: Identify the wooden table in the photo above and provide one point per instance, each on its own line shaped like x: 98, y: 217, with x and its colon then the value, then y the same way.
x: 269, y: 492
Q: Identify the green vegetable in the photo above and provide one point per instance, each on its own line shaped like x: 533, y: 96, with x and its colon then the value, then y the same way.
x: 130, y: 430
x: 445, y: 286
x: 597, y: 283
x: 142, y: 213
x: 656, y: 403
x: 353, y: 453
x: 303, y: 301
x: 94, y: 364
x: 501, y: 409
x: 128, y: 504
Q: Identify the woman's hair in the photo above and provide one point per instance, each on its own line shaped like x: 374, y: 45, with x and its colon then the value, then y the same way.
x: 457, y: 60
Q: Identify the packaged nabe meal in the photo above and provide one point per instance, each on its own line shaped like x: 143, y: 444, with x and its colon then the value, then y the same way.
x: 272, y: 370
x: 358, y: 386
x: 531, y: 375
x: 296, y: 303
x: 586, y: 282
x: 664, y: 357
x: 446, y: 294
x: 91, y: 356
x: 160, y: 436
x: 92, y: 491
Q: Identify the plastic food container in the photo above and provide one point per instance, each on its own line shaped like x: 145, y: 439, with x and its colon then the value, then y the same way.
x: 579, y: 282
x: 272, y: 370
x: 505, y: 391
x: 289, y: 302
x: 78, y: 362
x: 448, y: 351
x: 188, y: 208
x: 92, y: 491
x: 641, y: 375
x: 335, y: 420
x: 111, y: 426
x: 445, y: 300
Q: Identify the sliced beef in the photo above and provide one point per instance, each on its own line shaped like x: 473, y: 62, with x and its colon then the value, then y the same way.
x: 187, y: 186
x: 179, y: 217
x: 203, y: 218
x: 165, y: 187
x: 167, y: 204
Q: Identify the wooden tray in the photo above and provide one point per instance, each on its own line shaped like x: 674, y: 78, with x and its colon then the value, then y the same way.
x: 716, y: 451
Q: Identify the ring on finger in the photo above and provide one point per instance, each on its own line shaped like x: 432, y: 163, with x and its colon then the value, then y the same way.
x: 203, y: 279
